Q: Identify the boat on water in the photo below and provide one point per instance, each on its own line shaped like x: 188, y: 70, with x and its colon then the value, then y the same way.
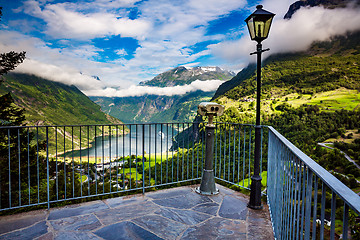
x: 161, y: 134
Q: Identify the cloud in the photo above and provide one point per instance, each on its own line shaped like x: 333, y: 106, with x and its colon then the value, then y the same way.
x: 312, y: 24
x: 66, y: 75
x: 279, y: 7
x: 164, y: 30
x: 206, y: 86
x: 62, y: 22
x: 293, y: 35
x: 121, y: 52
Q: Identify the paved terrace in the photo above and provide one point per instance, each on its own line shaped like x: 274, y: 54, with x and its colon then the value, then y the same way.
x: 177, y: 213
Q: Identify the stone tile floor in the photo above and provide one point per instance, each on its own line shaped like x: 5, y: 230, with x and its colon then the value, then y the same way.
x: 177, y: 213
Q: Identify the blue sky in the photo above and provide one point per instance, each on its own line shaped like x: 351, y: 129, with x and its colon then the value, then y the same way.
x: 124, y: 42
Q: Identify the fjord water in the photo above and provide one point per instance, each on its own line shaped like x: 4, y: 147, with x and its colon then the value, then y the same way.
x: 157, y: 138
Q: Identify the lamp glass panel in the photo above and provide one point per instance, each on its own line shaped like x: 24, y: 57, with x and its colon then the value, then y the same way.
x: 259, y: 29
x: 251, y: 27
x: 267, y: 27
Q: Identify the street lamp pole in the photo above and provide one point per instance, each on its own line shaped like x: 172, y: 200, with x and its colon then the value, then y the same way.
x: 259, y: 24
x: 255, y: 194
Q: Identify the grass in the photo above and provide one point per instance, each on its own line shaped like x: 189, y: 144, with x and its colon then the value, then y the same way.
x: 131, y: 173
x: 83, y: 177
x: 355, y: 135
x: 246, y: 182
x: 156, y: 158
x: 338, y: 99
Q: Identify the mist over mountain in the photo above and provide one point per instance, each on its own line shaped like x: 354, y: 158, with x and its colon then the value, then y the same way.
x: 180, y: 76
x: 52, y: 103
x: 171, y: 96
x: 312, y: 3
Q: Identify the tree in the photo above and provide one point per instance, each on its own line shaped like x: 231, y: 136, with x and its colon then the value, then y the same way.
x: 9, y: 61
x: 19, y: 159
x: 9, y: 113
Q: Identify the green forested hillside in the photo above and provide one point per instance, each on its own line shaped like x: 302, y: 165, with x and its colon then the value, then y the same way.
x: 152, y: 108
x: 326, y: 75
x: 51, y: 103
x: 302, y: 74
x: 309, y: 97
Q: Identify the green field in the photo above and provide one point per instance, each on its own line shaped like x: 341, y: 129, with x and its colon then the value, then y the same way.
x: 332, y: 100
x: 131, y: 173
x: 338, y: 99
x: 246, y: 182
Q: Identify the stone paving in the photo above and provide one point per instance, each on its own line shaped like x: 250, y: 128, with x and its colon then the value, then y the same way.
x: 177, y: 213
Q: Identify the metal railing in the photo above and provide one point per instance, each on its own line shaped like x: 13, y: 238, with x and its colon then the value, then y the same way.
x: 305, y: 200
x: 234, y: 153
x: 42, y: 165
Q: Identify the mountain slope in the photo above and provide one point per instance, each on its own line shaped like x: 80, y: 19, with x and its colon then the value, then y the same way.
x: 182, y: 76
x: 52, y: 103
x: 152, y: 108
x: 235, y: 81
x: 325, y: 66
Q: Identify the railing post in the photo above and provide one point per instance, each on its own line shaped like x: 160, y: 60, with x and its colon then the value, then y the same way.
x: 207, y: 186
x: 143, y: 158
x: 47, y: 167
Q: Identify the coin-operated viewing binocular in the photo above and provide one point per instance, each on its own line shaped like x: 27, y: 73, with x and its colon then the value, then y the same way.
x: 210, y: 109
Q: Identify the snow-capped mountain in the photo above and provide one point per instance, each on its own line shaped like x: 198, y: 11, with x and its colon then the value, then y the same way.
x: 185, y: 75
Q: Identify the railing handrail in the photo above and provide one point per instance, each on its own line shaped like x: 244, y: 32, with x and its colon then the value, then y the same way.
x: 346, y: 194
x: 97, y: 125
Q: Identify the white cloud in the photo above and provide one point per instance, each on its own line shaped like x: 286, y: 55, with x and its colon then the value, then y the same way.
x: 175, y: 25
x: 63, y: 22
x: 312, y: 24
x: 279, y: 7
x: 165, y: 30
x: 206, y: 86
x: 296, y: 34
x: 66, y: 75
x: 113, y: 3
x: 121, y: 52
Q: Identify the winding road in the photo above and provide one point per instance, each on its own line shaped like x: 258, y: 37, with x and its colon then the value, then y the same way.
x: 346, y: 156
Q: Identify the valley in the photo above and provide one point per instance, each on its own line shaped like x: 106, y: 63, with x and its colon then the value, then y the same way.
x: 84, y: 116
x: 162, y: 108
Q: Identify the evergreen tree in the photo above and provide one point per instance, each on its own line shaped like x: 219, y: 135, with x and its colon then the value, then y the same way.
x: 10, y: 114
x: 19, y: 158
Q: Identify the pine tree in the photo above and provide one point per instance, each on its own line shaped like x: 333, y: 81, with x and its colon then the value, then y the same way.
x: 10, y: 114
x: 19, y: 159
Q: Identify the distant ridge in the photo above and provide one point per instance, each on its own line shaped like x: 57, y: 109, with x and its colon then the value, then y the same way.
x: 185, y: 75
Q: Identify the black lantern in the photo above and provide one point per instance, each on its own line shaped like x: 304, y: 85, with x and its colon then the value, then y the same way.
x: 259, y: 23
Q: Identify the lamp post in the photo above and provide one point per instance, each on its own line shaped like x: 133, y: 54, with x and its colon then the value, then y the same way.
x: 258, y: 23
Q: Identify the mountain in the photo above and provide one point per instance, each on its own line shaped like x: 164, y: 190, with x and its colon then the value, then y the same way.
x: 319, y: 76
x: 186, y: 75
x: 235, y: 81
x: 52, y: 103
x: 155, y: 108
x: 312, y: 3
